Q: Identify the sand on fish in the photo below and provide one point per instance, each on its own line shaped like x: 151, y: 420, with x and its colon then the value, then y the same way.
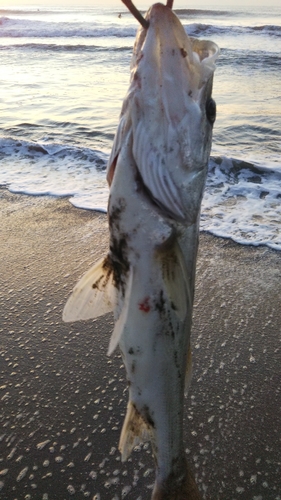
x: 62, y: 400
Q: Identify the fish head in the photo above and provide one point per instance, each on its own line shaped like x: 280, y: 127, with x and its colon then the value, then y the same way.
x: 171, y: 112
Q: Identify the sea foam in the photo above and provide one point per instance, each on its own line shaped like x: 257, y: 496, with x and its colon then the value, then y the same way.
x: 242, y: 199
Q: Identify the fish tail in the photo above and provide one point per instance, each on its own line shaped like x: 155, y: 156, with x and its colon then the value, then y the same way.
x: 177, y: 486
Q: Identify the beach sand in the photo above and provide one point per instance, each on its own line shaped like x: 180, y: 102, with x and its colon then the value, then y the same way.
x: 63, y: 400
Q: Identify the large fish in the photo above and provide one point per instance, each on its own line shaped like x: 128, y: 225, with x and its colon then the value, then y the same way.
x: 156, y: 171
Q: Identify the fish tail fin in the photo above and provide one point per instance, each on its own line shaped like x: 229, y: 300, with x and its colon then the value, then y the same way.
x: 94, y: 294
x: 134, y: 431
x: 179, y: 485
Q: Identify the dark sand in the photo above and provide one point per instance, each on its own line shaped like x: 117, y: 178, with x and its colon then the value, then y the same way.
x: 63, y: 400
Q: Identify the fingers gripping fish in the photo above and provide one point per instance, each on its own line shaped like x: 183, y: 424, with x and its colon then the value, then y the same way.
x: 156, y: 172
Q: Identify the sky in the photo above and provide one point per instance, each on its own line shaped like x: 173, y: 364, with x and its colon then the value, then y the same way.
x: 141, y: 4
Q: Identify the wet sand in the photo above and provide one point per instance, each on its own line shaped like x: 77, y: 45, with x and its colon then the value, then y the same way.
x: 63, y: 400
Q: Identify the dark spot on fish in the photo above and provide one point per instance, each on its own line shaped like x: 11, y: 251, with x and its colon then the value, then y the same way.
x: 102, y: 281
x: 141, y: 187
x: 96, y: 284
x: 115, y: 212
x: 183, y: 52
x: 134, y: 424
x: 107, y: 266
x: 118, y: 245
x: 119, y: 261
x: 133, y: 367
x: 176, y: 359
x: 173, y: 52
x: 160, y: 304
x: 118, y: 248
x: 135, y: 350
x: 147, y: 416
x: 169, y: 265
x: 211, y: 110
x: 190, y: 93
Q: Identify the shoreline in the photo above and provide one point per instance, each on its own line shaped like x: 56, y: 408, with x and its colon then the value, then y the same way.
x: 63, y: 400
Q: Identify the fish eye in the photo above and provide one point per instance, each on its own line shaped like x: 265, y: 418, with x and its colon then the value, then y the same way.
x: 211, y: 110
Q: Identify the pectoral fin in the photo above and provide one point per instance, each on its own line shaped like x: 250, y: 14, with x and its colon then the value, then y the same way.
x: 175, y: 277
x: 94, y: 294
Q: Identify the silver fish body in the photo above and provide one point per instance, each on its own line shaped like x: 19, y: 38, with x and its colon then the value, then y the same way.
x: 152, y: 330
x: 157, y: 171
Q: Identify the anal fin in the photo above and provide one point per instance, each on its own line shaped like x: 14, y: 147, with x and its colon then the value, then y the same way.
x: 134, y: 431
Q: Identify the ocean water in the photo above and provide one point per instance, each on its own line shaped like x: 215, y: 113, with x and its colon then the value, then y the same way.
x: 64, y: 73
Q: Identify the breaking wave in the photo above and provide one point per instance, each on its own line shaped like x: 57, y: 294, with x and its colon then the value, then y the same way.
x: 201, y: 29
x: 204, y: 13
x: 59, y: 47
x: 242, y: 201
x: 54, y: 169
x: 27, y: 28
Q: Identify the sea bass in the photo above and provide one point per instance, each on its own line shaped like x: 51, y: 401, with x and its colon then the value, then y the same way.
x: 156, y: 171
